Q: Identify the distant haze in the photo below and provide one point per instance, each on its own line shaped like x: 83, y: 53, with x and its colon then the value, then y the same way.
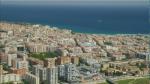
x: 78, y: 2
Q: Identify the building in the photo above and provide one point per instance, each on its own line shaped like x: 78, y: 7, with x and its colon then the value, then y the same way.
x: 97, y: 66
x: 40, y: 71
x: 42, y: 74
x: 1, y: 72
x: 35, y: 70
x: 19, y: 66
x: 49, y: 62
x: 10, y: 78
x: 32, y: 79
x: 62, y: 52
x: 37, y: 47
x: 3, y: 34
x: 105, y: 66
x: 52, y: 75
x: 63, y: 60
x: 89, y: 61
x: 20, y: 63
x: 20, y: 47
x: 145, y: 56
x: 21, y: 72
x: 3, y: 57
x: 148, y: 57
x: 11, y: 47
x: 10, y: 58
x: 61, y: 72
x: 75, y: 60
x: 1, y: 69
x: 148, y: 61
x: 75, y: 50
x: 71, y: 72
x: 67, y: 42
x: 117, y: 56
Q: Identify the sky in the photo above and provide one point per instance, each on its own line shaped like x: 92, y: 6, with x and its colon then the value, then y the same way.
x: 82, y: 2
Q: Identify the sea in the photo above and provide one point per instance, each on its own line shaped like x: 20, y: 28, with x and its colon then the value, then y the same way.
x: 83, y: 19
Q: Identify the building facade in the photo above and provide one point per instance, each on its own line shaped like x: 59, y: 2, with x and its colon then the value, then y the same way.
x: 71, y: 72
x: 52, y: 75
x: 32, y: 79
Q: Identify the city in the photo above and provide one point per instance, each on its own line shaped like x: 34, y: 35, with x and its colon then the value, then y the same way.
x: 40, y: 54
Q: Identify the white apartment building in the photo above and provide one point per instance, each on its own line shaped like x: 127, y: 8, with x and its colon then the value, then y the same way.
x: 52, y: 75
x: 32, y: 79
x: 10, y: 78
x: 10, y: 58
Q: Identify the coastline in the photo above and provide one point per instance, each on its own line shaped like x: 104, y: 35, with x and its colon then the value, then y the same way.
x: 70, y: 29
x: 91, y: 20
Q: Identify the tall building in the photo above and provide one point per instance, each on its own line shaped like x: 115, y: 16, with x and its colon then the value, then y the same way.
x: 32, y: 79
x: 1, y: 72
x: 10, y: 58
x: 148, y: 57
x: 52, y: 75
x: 49, y: 62
x: 42, y: 74
x: 40, y: 71
x: 68, y: 72
x: 71, y: 72
x: 61, y: 72
x: 52, y: 71
x: 35, y: 70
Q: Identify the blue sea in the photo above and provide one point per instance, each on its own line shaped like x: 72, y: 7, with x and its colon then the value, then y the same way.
x: 84, y: 19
